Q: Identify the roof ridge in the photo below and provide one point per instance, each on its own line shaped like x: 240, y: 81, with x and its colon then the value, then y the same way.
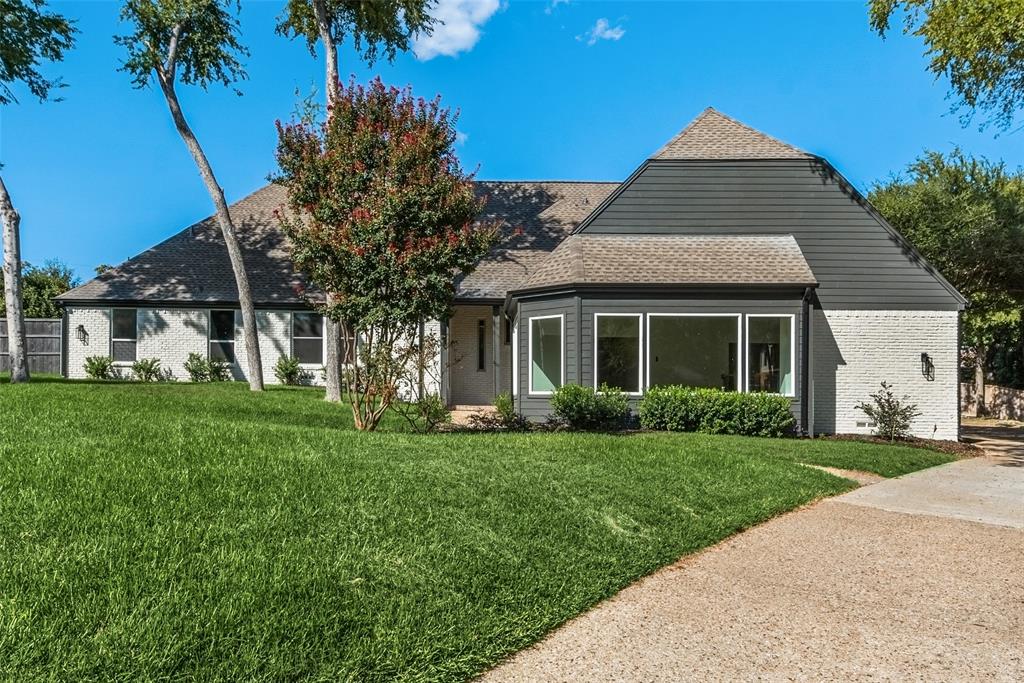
x: 720, y: 141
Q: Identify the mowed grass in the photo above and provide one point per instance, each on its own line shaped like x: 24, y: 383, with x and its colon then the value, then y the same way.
x: 204, y: 532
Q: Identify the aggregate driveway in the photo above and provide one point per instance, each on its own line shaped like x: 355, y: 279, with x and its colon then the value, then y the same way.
x: 918, y: 578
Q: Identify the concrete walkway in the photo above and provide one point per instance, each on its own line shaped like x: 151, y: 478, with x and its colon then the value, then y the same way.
x: 917, y: 578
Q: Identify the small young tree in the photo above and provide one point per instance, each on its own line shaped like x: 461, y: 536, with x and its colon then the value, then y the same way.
x: 382, y: 217
x: 892, y: 416
x: 196, y: 41
x: 386, y: 25
x: 28, y: 35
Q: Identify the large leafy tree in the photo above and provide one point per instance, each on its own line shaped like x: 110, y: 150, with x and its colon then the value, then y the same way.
x: 380, y: 215
x: 977, y: 44
x: 966, y: 216
x: 196, y: 42
x: 40, y: 284
x: 382, y: 26
x: 29, y: 36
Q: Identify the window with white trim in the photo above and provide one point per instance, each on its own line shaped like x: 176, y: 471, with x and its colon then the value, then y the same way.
x: 124, y: 335
x: 308, y: 337
x: 222, y: 336
x: 693, y: 350
x: 546, y: 354
x: 618, y: 350
x: 770, y: 354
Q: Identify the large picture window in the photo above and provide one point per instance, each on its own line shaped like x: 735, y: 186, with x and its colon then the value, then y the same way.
x: 617, y: 352
x: 770, y: 354
x: 222, y: 336
x: 693, y: 351
x: 124, y: 335
x: 308, y: 337
x: 546, y: 351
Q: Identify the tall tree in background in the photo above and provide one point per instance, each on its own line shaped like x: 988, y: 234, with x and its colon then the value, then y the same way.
x: 385, y: 26
x: 196, y: 41
x: 40, y: 284
x: 29, y: 35
x: 977, y: 44
x: 966, y: 216
x: 381, y: 214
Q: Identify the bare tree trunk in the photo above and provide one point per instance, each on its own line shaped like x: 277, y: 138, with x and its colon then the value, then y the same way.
x: 12, y: 288
x: 227, y: 228
x: 332, y: 329
x: 979, y: 383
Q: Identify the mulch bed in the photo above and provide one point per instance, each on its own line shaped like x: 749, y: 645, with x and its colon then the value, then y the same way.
x: 960, y: 449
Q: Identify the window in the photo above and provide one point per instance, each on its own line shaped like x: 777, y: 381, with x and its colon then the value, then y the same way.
x: 481, y: 344
x: 124, y: 335
x: 222, y: 336
x: 770, y: 354
x: 507, y: 330
x: 693, y: 350
x: 546, y: 351
x: 308, y: 337
x: 617, y: 352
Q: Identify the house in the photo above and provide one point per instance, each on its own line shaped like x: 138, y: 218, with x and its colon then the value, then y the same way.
x: 728, y: 259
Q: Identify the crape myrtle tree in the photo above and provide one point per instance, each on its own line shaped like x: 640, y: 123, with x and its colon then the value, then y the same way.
x: 196, y: 42
x: 978, y: 45
x: 29, y: 35
x: 966, y: 216
x: 385, y: 26
x: 381, y: 217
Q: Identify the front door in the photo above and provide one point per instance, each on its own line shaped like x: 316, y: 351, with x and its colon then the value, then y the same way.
x: 470, y: 356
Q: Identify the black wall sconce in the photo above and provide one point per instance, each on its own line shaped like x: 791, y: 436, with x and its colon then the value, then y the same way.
x: 81, y: 335
x: 927, y: 367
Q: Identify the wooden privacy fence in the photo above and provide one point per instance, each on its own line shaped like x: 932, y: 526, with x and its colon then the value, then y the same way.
x: 44, y: 345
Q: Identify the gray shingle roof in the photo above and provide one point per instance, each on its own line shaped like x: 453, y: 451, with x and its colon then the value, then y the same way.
x: 713, y: 135
x: 193, y: 265
x: 584, y: 259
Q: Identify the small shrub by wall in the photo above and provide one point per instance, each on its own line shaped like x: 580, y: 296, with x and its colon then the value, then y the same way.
x: 712, y: 411
x: 581, y: 408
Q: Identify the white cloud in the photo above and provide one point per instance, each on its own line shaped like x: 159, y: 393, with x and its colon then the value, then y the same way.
x: 461, y: 138
x: 553, y: 4
x: 460, y: 29
x: 602, y: 30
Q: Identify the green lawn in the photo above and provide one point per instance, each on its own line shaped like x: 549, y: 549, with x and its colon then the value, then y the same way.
x: 203, y: 532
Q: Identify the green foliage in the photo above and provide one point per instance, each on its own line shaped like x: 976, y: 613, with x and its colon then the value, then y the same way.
x: 30, y: 35
x: 387, y: 25
x: 892, y: 416
x: 978, y: 45
x: 148, y: 370
x: 40, y: 285
x: 504, y: 418
x: 200, y: 369
x: 712, y: 411
x: 432, y: 412
x: 101, y: 367
x: 195, y: 41
x: 380, y: 216
x: 289, y: 371
x: 581, y: 408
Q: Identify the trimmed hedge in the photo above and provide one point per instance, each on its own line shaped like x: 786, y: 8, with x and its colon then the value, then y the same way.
x: 712, y: 411
x: 582, y: 409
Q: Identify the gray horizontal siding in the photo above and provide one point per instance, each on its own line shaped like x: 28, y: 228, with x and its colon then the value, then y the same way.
x: 539, y: 407
x: 859, y: 263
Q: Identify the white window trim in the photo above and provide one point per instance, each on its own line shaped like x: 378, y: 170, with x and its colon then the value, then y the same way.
x: 124, y: 363
x: 740, y: 365
x: 640, y: 349
x: 792, y: 351
x: 529, y: 356
x: 515, y: 356
x: 234, y: 329
x: 323, y: 340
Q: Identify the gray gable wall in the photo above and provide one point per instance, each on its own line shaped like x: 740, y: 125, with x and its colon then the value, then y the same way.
x: 858, y: 260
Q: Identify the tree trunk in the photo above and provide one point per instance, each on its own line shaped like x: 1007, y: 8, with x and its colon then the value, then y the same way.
x: 332, y: 329
x: 979, y: 383
x: 12, y: 288
x: 227, y: 228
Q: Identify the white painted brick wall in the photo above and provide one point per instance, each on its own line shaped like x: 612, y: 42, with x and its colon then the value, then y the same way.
x: 170, y: 335
x: 853, y: 351
x: 96, y: 322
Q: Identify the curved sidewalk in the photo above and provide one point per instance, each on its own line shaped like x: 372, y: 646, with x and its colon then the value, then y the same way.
x: 920, y: 577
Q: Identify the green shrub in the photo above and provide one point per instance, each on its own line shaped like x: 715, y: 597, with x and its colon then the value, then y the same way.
x: 200, y: 369
x: 148, y: 370
x: 101, y: 367
x: 433, y: 412
x: 219, y: 370
x: 581, y: 408
x: 289, y: 371
x: 712, y: 411
x: 892, y: 416
x: 504, y: 418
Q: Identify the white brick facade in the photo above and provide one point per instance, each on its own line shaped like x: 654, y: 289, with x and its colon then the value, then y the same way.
x: 853, y: 351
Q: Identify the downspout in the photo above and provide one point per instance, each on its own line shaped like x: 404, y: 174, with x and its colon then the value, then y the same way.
x: 805, y: 361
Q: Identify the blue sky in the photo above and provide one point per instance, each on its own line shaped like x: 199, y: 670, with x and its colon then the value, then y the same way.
x: 575, y: 90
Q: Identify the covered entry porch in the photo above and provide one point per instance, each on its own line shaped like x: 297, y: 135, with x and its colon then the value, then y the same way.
x: 478, y: 356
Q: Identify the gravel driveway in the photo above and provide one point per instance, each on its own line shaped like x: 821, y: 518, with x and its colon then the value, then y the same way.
x: 918, y: 578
